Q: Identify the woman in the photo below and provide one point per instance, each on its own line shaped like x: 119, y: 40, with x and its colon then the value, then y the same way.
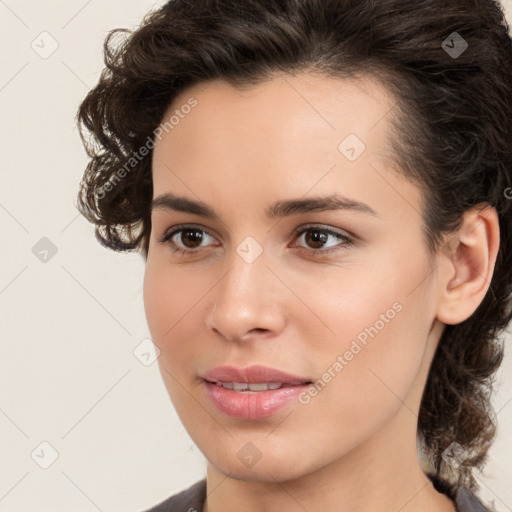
x: 321, y: 192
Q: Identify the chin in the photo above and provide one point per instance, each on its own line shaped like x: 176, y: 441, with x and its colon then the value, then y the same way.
x: 271, y: 471
x: 271, y: 464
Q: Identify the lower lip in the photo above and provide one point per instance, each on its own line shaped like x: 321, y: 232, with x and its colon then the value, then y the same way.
x: 252, y: 405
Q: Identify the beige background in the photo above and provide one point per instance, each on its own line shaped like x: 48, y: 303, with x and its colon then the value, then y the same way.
x: 70, y: 325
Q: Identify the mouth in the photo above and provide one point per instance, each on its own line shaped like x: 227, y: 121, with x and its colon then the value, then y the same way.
x: 254, y: 387
x: 254, y: 392
x: 243, y: 378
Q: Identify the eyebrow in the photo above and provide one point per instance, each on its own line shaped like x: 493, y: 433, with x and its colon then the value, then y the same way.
x: 281, y: 208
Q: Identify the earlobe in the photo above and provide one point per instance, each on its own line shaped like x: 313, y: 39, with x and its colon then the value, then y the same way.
x: 467, y: 263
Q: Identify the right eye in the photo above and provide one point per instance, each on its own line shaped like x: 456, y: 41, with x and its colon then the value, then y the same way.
x: 185, y: 239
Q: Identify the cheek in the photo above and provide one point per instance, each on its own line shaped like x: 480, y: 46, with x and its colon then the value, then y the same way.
x: 167, y: 300
x: 168, y: 296
x: 158, y: 302
x: 382, y: 360
x: 368, y: 370
x: 174, y: 303
x: 380, y: 329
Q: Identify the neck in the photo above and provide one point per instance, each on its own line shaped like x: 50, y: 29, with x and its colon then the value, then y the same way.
x: 381, y: 475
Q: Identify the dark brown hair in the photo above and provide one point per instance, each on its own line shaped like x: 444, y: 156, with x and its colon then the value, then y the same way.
x: 452, y: 125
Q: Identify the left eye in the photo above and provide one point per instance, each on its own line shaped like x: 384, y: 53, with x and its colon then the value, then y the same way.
x: 319, y: 236
x: 187, y: 239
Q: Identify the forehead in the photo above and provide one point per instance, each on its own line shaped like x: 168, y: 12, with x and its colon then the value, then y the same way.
x: 289, y: 133
x: 277, y: 116
x: 287, y: 106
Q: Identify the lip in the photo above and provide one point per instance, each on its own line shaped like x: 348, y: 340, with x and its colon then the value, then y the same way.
x: 253, y: 374
x: 249, y: 405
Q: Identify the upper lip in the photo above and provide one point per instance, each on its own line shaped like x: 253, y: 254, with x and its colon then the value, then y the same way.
x: 252, y: 374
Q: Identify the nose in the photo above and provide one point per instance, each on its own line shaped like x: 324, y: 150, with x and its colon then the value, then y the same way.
x: 248, y: 302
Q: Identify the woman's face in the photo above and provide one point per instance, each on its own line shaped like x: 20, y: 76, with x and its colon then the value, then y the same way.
x: 342, y: 294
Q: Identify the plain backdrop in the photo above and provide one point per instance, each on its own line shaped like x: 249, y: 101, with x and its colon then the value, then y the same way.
x: 85, y: 422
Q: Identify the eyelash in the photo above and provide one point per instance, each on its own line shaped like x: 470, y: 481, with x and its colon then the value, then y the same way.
x: 347, y: 241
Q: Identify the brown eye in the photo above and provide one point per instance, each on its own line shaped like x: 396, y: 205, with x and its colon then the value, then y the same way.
x: 316, y: 239
x: 185, y: 239
x: 191, y: 238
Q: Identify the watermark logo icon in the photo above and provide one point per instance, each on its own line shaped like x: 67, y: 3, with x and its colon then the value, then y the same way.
x: 352, y: 147
x: 454, y: 45
x: 454, y: 455
x: 249, y: 249
x: 44, y: 250
x: 44, y: 45
x: 249, y: 454
x: 44, y: 455
x: 146, y: 352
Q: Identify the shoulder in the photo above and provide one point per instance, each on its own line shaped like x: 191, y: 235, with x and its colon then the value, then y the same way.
x: 466, y: 501
x: 189, y: 500
x: 192, y: 500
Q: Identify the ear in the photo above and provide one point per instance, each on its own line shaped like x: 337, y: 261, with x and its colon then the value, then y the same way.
x: 466, y: 264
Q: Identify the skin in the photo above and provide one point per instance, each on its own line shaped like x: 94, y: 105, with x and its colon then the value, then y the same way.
x: 353, y: 446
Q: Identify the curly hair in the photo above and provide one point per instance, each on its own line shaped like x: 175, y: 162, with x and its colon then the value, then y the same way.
x: 452, y: 136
